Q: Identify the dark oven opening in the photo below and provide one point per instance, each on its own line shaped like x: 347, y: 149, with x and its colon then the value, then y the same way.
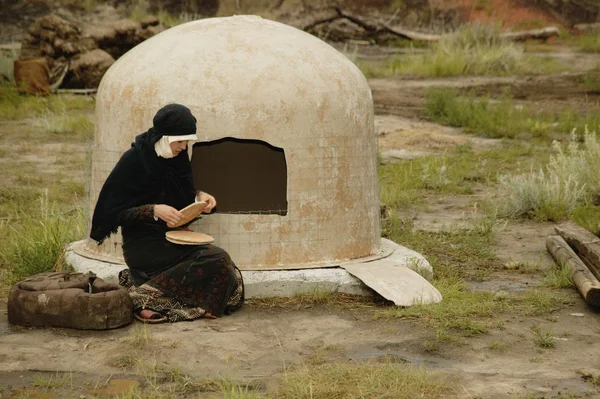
x: 245, y: 176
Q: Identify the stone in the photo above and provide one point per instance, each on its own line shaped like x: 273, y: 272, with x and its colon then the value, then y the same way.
x: 88, y: 69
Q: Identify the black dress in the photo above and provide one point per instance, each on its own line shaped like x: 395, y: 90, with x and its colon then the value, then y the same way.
x: 183, y: 282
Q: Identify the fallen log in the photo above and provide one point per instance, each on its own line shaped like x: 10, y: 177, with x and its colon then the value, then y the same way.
x: 375, y: 27
x: 538, y: 34
x: 585, y: 281
x: 584, y: 243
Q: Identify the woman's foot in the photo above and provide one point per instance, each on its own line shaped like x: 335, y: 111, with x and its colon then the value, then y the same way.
x: 149, y: 316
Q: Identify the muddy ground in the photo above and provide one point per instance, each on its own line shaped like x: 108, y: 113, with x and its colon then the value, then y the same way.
x: 256, y: 343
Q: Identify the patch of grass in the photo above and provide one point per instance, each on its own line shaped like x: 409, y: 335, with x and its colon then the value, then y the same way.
x: 497, y: 346
x: 591, y: 81
x: 553, y: 193
x: 559, y: 277
x: 139, y: 337
x: 501, y: 118
x: 475, y: 49
x: 17, y: 106
x: 66, y: 125
x: 543, y: 339
x: 56, y: 381
x: 588, y: 43
x: 455, y: 254
x: 37, y: 244
x: 341, y: 380
x: 407, y: 183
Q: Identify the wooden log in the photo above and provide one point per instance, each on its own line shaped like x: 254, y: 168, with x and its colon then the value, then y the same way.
x: 585, y: 281
x: 584, y: 243
x: 539, y: 34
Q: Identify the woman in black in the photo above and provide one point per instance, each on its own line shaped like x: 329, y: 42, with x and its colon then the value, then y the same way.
x: 151, y: 181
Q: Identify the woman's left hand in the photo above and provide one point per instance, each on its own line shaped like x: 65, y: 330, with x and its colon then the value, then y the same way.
x: 209, y: 199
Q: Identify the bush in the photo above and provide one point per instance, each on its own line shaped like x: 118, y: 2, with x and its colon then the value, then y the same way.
x: 571, y: 178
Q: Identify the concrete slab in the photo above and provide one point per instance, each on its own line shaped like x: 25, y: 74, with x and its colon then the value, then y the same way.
x: 278, y: 283
x: 395, y: 282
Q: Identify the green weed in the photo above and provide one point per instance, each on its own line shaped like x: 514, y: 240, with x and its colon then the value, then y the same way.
x: 37, y: 244
x: 501, y: 118
x: 386, y: 380
x: 543, y: 339
x: 560, y: 277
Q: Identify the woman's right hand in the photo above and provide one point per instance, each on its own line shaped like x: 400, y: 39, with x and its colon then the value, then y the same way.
x: 167, y: 213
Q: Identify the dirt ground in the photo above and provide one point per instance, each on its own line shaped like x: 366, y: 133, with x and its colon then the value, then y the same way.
x: 255, y: 344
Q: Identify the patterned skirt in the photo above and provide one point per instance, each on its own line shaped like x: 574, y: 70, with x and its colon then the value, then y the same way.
x: 207, y: 281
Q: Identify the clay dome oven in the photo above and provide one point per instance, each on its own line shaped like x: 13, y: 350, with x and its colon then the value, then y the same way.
x: 286, y: 138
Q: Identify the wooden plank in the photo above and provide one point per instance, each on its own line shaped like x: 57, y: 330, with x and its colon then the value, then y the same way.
x: 585, y: 281
x: 584, y: 243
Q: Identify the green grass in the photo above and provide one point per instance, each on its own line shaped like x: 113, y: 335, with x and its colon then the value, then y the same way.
x: 471, y: 50
x: 587, y: 43
x: 66, y: 124
x: 405, y: 184
x: 36, y: 244
x: 543, y: 339
x: 54, y: 382
x: 456, y: 254
x: 384, y: 381
x: 502, y: 118
x: 18, y: 106
x: 560, y: 276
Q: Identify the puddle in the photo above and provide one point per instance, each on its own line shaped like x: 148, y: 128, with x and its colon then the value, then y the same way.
x: 392, y: 352
x: 116, y: 387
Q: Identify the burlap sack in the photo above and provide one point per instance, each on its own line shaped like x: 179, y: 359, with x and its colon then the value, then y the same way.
x: 32, y: 76
x: 72, y: 300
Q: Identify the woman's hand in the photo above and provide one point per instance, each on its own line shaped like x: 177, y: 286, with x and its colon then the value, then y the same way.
x: 167, y: 213
x: 209, y: 199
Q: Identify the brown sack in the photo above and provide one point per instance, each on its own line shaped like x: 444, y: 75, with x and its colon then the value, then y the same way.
x: 32, y: 76
x: 72, y: 300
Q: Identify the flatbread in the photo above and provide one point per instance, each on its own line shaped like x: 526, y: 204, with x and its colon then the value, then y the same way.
x: 190, y: 212
x: 184, y: 237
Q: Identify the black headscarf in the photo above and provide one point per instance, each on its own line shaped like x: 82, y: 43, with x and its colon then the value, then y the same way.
x: 142, y: 177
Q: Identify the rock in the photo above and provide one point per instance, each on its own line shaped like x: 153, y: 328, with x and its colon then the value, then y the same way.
x: 87, y: 69
x: 32, y: 76
x: 391, y: 156
x: 149, y: 20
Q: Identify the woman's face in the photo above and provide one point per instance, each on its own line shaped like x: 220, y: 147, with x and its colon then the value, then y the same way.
x: 178, y: 146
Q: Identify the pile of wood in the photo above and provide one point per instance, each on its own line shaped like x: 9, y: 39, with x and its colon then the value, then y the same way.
x: 579, y: 249
x: 77, y: 56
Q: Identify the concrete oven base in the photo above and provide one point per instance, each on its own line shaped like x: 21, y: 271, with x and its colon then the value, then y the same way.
x: 282, y: 283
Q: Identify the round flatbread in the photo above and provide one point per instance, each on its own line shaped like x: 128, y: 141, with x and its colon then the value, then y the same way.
x: 183, y: 237
x: 190, y: 212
